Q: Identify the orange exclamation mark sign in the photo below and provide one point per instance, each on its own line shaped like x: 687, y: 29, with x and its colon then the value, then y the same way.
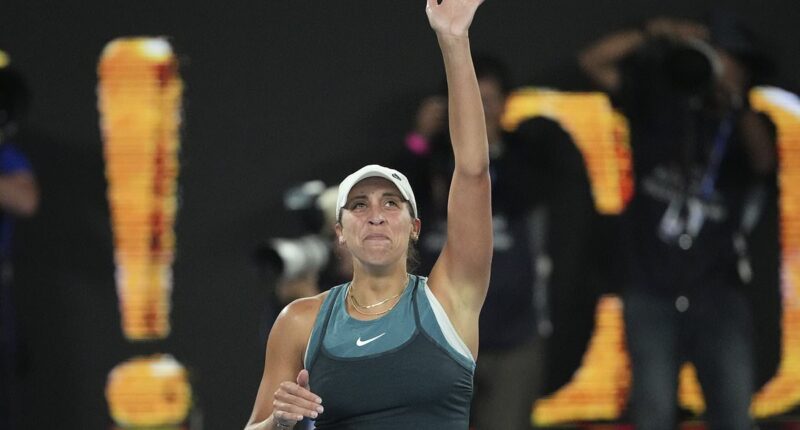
x: 139, y: 99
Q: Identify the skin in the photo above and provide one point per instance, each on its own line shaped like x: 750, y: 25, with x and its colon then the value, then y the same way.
x: 376, y: 226
x: 431, y: 114
x: 19, y: 194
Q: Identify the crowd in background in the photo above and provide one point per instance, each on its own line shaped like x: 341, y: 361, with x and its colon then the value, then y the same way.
x: 702, y: 159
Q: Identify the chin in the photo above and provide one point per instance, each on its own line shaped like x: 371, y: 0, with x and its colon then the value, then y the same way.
x: 384, y: 260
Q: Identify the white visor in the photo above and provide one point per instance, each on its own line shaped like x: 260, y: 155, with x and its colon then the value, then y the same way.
x: 374, y: 170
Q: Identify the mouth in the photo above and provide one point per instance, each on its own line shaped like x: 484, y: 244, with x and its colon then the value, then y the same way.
x: 376, y: 237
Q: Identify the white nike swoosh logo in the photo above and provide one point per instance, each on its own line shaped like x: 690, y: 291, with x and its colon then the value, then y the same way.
x: 360, y: 342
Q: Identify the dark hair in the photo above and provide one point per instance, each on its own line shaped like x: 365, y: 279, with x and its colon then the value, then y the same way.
x: 412, y: 257
x: 490, y: 67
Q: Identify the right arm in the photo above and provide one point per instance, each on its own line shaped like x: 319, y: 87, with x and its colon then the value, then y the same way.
x: 284, y: 394
x: 600, y: 61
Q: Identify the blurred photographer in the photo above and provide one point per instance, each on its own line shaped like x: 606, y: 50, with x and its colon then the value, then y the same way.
x: 298, y: 267
x: 19, y: 198
x: 301, y: 264
x: 700, y: 156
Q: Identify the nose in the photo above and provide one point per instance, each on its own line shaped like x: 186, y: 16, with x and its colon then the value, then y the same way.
x: 376, y: 217
x: 377, y: 220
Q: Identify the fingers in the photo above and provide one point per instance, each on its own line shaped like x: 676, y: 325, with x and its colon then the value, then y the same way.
x: 289, y: 389
x: 451, y: 17
x: 302, y: 379
x: 293, y: 401
x: 286, y: 419
x: 289, y: 412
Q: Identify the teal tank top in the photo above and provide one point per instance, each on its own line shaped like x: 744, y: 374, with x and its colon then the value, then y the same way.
x: 404, y: 370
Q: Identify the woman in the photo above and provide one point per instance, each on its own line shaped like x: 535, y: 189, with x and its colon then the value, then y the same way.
x: 391, y: 350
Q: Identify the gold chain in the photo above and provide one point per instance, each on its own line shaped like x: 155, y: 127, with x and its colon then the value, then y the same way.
x: 355, y: 300
x: 355, y: 308
x: 358, y: 306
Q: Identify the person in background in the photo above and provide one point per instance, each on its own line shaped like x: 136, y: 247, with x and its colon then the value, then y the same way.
x: 19, y: 198
x: 542, y: 216
x: 699, y: 152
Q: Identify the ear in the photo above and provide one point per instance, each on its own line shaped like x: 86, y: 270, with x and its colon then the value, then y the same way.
x: 416, y: 228
x: 339, y: 235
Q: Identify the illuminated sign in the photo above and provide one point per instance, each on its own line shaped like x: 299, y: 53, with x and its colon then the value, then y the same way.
x: 139, y: 99
x: 599, y: 388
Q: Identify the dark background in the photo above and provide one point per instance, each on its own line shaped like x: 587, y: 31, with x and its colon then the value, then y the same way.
x: 276, y: 92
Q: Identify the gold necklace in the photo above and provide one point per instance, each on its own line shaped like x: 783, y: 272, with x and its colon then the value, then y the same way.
x: 355, y: 301
x: 355, y: 308
x: 358, y: 306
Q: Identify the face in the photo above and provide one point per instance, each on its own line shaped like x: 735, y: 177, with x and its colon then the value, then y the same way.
x: 376, y: 224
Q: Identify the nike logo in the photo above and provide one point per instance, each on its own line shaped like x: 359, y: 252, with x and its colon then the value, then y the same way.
x: 360, y: 342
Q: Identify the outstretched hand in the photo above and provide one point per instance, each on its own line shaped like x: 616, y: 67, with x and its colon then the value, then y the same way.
x: 451, y: 17
x: 294, y: 400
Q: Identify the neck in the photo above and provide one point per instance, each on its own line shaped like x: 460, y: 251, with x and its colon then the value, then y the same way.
x: 371, y: 285
x: 371, y: 297
x: 378, y: 276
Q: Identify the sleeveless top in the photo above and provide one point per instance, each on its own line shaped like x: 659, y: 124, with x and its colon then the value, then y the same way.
x: 405, y: 370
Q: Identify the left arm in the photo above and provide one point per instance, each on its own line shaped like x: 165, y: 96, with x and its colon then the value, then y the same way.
x: 460, y: 277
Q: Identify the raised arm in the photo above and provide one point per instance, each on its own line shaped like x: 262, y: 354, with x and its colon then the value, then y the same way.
x: 461, y: 275
x: 600, y: 61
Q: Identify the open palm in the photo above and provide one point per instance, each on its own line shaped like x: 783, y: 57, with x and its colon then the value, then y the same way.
x: 451, y: 17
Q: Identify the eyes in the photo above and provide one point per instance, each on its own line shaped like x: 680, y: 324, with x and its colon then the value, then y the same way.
x: 361, y: 204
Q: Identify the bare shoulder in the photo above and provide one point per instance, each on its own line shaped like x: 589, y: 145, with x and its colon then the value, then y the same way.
x: 302, y: 309
x: 297, y: 318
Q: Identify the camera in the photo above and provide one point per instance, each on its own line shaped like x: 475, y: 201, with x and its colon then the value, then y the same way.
x: 291, y: 258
